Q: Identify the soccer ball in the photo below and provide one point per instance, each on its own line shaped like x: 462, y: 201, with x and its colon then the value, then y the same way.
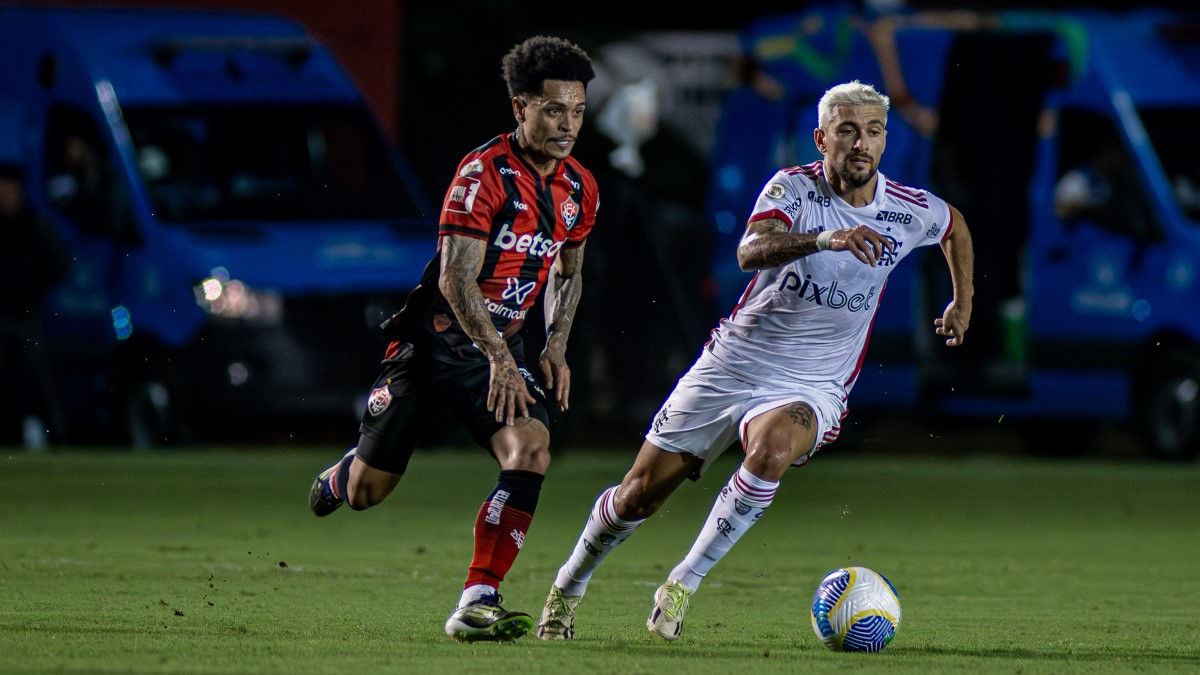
x: 855, y: 609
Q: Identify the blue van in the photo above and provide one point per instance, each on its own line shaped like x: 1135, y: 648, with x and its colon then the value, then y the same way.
x: 1082, y: 318
x: 238, y: 221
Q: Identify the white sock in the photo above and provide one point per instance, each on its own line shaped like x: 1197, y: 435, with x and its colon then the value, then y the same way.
x: 743, y: 499
x: 603, y: 531
x: 471, y: 594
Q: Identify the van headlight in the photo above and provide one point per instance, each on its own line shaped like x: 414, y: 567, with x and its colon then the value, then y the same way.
x: 228, y: 298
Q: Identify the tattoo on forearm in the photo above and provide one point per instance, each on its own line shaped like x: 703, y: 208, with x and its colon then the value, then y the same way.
x: 565, y: 301
x: 564, y: 293
x: 460, y: 267
x: 769, y: 244
x: 772, y: 251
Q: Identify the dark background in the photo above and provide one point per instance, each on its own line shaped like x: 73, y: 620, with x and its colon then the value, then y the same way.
x: 430, y: 71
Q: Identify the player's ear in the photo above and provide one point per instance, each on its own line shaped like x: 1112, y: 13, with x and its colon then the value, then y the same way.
x: 518, y: 106
x: 819, y: 139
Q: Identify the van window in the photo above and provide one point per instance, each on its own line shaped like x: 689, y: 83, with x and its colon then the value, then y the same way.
x: 1178, y: 148
x: 79, y: 180
x: 1097, y: 182
x: 259, y: 163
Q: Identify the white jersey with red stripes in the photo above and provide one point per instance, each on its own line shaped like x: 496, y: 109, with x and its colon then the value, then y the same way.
x: 807, y: 322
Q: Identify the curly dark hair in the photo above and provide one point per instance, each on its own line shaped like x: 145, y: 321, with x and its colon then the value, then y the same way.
x: 541, y: 58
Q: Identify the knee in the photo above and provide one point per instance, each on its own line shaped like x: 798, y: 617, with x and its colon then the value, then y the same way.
x: 535, y: 459
x: 631, y: 500
x: 770, y: 457
x: 365, y: 493
x: 522, y: 451
x: 361, y: 499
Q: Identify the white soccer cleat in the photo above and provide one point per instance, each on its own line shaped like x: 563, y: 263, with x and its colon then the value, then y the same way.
x: 670, y: 604
x: 558, y: 616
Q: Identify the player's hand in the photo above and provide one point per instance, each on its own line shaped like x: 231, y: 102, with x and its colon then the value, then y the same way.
x: 507, y: 395
x: 954, y: 322
x: 557, y: 373
x: 865, y: 243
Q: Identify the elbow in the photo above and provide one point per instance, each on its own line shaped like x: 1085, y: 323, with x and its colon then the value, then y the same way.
x: 744, y: 262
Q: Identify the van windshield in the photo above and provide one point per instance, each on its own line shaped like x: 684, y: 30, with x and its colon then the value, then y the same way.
x: 259, y: 163
x: 1179, y: 150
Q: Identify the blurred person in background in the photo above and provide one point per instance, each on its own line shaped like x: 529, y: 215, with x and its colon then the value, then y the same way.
x: 514, y: 223
x: 1103, y: 191
x: 654, y: 183
x: 32, y: 262
x: 776, y: 374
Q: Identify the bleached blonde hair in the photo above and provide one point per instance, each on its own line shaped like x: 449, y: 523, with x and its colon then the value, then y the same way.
x: 850, y: 93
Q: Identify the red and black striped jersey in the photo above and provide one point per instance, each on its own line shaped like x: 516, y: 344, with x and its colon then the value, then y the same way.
x: 525, y: 218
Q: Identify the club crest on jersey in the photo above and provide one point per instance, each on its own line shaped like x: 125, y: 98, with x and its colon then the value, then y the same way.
x: 776, y: 191
x: 379, y: 400
x: 462, y: 194
x: 570, y: 212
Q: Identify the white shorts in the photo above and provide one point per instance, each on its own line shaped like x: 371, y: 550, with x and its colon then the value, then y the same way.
x: 709, y: 409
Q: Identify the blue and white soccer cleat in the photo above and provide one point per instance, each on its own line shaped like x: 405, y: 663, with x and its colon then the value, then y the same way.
x: 321, y: 498
x: 486, y: 620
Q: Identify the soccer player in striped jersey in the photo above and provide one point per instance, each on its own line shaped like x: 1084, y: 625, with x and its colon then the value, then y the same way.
x: 776, y: 373
x: 513, y: 222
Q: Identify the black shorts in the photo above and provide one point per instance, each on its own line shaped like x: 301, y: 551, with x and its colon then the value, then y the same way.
x: 419, y: 380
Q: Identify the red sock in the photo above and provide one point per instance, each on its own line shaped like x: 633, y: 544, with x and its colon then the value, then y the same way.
x: 501, y: 525
x: 496, y: 544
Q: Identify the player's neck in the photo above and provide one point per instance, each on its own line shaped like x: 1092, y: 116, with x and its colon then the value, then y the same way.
x: 544, y: 164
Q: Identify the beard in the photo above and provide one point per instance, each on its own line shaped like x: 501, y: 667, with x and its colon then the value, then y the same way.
x: 855, y: 178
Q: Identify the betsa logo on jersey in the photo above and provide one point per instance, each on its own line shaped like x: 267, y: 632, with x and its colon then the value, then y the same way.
x: 462, y: 194
x: 534, y: 244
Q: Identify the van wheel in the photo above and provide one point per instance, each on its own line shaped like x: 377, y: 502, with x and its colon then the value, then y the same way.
x: 1171, y: 415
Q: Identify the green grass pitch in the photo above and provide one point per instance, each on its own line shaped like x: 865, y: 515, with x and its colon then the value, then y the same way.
x: 208, y: 561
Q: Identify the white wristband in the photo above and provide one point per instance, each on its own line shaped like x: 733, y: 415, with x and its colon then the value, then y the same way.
x: 823, y: 240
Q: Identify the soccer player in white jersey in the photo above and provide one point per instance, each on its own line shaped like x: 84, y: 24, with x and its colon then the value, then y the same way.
x: 776, y: 374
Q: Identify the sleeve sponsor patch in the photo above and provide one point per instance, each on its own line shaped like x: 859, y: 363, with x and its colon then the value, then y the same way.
x: 461, y: 197
x: 470, y: 169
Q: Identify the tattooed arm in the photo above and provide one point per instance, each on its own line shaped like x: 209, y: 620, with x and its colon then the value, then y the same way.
x: 563, y: 291
x: 767, y: 243
x: 462, y: 258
